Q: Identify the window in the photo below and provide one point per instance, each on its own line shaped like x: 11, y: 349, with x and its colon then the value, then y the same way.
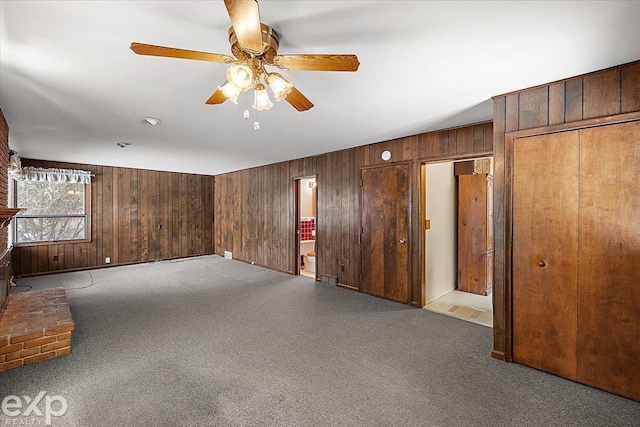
x: 54, y: 211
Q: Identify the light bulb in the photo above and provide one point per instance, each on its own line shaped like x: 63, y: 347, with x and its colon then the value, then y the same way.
x: 261, y: 97
x: 256, y: 126
x: 246, y: 114
x: 279, y: 85
x: 240, y: 76
x: 230, y: 92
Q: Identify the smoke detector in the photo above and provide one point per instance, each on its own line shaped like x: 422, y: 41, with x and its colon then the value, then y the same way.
x: 151, y: 120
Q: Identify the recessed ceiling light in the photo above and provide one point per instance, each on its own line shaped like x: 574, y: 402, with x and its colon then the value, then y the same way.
x: 122, y: 144
x: 151, y: 120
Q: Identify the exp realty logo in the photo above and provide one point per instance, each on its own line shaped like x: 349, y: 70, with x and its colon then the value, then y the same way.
x: 14, y: 406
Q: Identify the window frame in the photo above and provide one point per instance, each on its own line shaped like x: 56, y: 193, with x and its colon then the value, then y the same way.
x: 87, y: 214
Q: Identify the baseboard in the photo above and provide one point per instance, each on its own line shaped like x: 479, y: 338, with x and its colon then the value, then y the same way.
x: 261, y: 265
x: 498, y: 355
x: 96, y: 267
x: 441, y: 294
x: 348, y: 287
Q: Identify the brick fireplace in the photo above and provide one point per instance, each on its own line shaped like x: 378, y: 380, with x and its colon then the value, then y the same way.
x: 35, y: 326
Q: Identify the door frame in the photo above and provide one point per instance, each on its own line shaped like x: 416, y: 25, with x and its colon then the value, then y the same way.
x: 422, y: 211
x: 509, y: 139
x: 296, y: 232
x: 409, y: 165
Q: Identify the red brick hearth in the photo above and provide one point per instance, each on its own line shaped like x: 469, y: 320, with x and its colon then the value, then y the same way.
x: 35, y: 326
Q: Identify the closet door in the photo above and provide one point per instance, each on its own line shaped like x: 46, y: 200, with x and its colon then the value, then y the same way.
x: 545, y: 252
x: 472, y: 233
x: 609, y: 288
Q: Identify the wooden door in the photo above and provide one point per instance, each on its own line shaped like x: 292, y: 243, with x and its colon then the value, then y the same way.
x: 385, y: 232
x: 545, y: 252
x: 472, y: 233
x: 609, y: 267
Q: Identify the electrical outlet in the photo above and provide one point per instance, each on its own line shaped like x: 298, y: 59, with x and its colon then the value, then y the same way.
x: 107, y: 260
x: 55, y: 257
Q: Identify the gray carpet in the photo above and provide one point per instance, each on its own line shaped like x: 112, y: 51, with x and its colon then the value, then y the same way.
x: 210, y: 341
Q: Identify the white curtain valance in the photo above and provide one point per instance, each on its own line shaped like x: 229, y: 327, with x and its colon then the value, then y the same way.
x: 72, y: 176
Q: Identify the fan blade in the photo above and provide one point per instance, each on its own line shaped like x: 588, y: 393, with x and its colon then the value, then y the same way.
x: 317, y: 62
x: 298, y: 100
x: 245, y: 19
x: 152, y: 50
x: 217, y: 98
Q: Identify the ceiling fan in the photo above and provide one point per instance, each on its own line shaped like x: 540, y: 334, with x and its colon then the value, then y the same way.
x: 254, y: 45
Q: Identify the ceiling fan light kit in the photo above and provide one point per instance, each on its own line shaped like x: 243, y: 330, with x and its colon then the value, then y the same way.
x: 254, y: 46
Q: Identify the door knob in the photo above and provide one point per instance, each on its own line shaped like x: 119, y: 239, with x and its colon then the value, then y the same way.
x: 542, y: 264
x: 403, y: 240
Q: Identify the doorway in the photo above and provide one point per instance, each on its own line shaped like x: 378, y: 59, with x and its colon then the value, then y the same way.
x: 458, y: 216
x: 306, y: 208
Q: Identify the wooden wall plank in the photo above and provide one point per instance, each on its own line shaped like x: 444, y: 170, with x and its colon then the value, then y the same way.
x: 346, y: 174
x: 443, y: 143
x: 142, y: 220
x: 122, y: 216
x: 106, y: 205
x: 115, y: 212
x: 163, y: 215
x: 501, y: 348
x: 556, y: 103
x: 97, y: 223
x: 209, y: 216
x: 97, y: 188
x: 465, y: 139
x: 630, y: 88
x: 488, y: 137
x: 183, y: 214
x: 422, y: 145
x: 573, y: 100
x: 533, y: 108
x: 190, y: 215
x: 602, y: 93
x: 68, y: 257
x: 512, y: 114
x: 132, y: 206
x: 154, y: 216
x: 60, y: 253
x: 42, y: 258
x: 200, y: 199
x: 432, y: 144
x: 287, y: 218
x: 478, y: 138
x: 176, y: 203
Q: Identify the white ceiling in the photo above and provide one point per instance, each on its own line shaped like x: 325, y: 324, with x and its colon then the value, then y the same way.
x: 70, y: 87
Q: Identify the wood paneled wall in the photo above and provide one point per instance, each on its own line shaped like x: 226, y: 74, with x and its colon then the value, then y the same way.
x: 596, y: 95
x: 255, y: 219
x: 127, y: 208
x: 4, y: 162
